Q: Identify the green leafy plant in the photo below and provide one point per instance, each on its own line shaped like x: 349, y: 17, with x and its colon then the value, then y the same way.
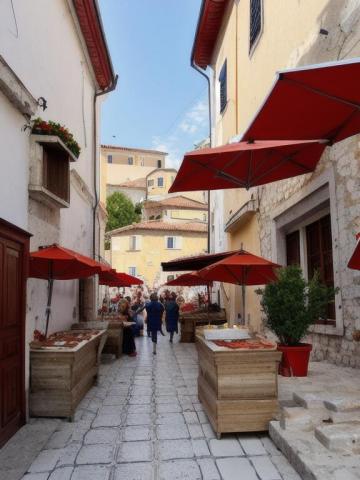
x: 121, y: 211
x: 42, y: 127
x: 292, y: 305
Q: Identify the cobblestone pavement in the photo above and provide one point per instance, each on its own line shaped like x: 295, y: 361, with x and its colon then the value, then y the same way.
x: 144, y: 422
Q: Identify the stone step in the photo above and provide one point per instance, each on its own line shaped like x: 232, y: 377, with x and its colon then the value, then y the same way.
x: 343, y: 437
x: 303, y: 418
x: 310, y: 458
x: 344, y: 403
x: 310, y: 399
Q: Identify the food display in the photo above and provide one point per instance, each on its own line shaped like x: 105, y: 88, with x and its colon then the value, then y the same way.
x: 64, y: 339
x: 250, y: 344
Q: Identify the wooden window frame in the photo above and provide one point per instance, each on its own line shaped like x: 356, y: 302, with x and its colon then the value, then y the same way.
x: 255, y: 37
x: 223, y: 97
x: 56, y: 173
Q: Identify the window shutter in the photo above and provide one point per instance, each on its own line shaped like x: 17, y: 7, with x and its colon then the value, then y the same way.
x: 223, y: 87
x: 178, y: 242
x: 138, y: 242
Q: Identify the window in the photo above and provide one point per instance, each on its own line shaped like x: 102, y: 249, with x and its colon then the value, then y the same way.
x: 109, y: 158
x: 130, y: 160
x: 223, y: 87
x: 320, y: 257
x: 150, y: 183
x: 159, y: 164
x: 160, y: 182
x: 134, y: 242
x: 170, y: 242
x: 132, y: 271
x: 255, y: 21
x: 142, y: 161
x: 293, y: 248
x: 170, y: 277
x: 56, y: 173
x: 173, y: 243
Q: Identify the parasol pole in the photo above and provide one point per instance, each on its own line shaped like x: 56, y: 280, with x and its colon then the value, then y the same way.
x: 50, y: 292
x: 243, y: 300
x: 208, y: 305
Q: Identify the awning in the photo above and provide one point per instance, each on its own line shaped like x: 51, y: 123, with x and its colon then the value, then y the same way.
x: 247, y: 164
x: 194, y: 262
x: 318, y: 101
x: 354, y: 261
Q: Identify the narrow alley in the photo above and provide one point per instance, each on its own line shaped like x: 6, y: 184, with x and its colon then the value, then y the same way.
x: 144, y: 421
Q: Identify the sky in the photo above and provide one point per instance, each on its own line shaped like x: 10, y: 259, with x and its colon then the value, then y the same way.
x: 160, y: 101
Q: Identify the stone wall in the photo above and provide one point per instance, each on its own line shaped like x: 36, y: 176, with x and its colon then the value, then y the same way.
x: 341, y: 19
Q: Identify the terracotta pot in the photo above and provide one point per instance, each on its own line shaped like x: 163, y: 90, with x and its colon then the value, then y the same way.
x: 295, y: 360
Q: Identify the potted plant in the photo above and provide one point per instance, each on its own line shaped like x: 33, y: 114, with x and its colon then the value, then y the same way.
x: 42, y: 127
x: 292, y: 305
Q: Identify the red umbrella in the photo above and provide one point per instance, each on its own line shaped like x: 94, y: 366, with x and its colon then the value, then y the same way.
x: 354, y: 261
x: 243, y: 268
x: 59, y: 263
x: 191, y: 279
x: 316, y: 101
x: 117, y: 279
x: 247, y: 164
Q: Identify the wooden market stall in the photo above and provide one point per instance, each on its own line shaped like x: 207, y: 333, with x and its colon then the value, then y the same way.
x: 189, y: 321
x: 238, y: 386
x: 62, y: 369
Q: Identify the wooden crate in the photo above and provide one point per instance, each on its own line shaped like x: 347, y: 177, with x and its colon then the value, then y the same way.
x: 238, y: 388
x: 60, y: 377
x: 189, y: 322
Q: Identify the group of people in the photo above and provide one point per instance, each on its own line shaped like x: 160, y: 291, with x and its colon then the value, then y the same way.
x: 133, y: 312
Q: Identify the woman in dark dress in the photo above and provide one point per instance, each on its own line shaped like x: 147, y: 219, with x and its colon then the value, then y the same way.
x: 129, y: 347
x: 154, y: 310
x: 171, y: 315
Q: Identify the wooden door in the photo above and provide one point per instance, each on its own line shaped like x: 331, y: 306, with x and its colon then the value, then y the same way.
x: 14, y: 248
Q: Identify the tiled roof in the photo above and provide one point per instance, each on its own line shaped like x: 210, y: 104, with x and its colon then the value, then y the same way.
x: 177, y: 202
x: 198, y: 227
x: 137, y: 183
x: 129, y: 149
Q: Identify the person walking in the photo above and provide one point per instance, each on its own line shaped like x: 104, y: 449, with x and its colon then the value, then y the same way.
x: 171, y: 315
x: 129, y: 347
x: 154, y: 310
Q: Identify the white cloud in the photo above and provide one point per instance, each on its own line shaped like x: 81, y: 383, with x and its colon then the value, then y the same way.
x: 187, y: 131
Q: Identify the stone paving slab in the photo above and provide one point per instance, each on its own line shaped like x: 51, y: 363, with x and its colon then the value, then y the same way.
x: 143, y: 421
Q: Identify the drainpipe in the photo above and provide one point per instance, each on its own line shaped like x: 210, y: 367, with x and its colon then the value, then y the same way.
x: 97, y: 199
x: 198, y: 69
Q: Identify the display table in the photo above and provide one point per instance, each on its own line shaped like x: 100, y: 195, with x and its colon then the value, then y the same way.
x: 237, y: 387
x: 190, y: 320
x: 61, y: 375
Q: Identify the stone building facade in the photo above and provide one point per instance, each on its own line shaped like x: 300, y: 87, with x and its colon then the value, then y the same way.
x: 263, y: 218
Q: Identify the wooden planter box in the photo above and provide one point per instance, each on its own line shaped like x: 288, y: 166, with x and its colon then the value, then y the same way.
x: 189, y: 322
x: 238, y: 388
x: 61, y: 376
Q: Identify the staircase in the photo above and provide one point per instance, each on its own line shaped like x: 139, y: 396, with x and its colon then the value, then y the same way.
x: 319, y: 432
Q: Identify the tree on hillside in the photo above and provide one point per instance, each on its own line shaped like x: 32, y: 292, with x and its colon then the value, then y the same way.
x: 121, y: 211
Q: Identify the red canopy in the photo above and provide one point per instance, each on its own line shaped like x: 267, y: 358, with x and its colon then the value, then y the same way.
x: 319, y: 101
x: 59, y: 263
x: 243, y: 268
x: 247, y: 164
x: 191, y: 279
x: 354, y: 261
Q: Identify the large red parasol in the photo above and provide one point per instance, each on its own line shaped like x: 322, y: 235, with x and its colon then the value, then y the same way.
x: 118, y: 279
x: 354, y: 261
x: 243, y: 269
x: 247, y: 164
x: 59, y: 263
x: 316, y: 101
x: 191, y: 279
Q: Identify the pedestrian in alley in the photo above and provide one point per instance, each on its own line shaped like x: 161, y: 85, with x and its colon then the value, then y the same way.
x: 129, y: 347
x: 154, y: 310
x: 171, y: 315
x: 138, y: 307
